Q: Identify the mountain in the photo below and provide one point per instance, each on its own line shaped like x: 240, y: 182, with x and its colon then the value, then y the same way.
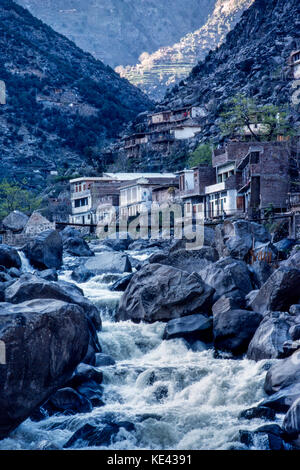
x: 119, y: 31
x: 253, y: 60
x: 62, y: 103
x: 168, y: 65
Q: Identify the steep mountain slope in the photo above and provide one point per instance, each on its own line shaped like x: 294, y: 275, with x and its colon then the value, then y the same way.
x: 61, y: 102
x: 156, y: 72
x: 253, y: 60
x: 118, y: 31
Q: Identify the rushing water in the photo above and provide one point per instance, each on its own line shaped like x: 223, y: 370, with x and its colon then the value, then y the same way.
x: 177, y: 398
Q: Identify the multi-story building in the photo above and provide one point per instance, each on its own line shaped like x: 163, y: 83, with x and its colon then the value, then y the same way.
x: 192, y: 184
x: 137, y: 194
x: 264, y: 178
x: 250, y: 177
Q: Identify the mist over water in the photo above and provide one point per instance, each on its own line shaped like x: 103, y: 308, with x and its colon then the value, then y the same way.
x: 176, y: 398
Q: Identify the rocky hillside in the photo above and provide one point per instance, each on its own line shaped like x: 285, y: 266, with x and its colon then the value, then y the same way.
x: 253, y: 60
x: 156, y: 72
x: 62, y: 103
x: 119, y: 31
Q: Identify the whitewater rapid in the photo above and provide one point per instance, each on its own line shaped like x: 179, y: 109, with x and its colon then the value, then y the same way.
x: 175, y: 397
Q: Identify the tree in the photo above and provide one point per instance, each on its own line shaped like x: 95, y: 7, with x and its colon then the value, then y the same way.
x: 201, y: 155
x: 244, y: 116
x: 13, y: 197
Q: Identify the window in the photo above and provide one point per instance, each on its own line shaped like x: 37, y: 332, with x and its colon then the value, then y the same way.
x: 81, y: 202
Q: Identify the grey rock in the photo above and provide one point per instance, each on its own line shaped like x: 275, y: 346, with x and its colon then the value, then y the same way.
x: 30, y: 287
x: 187, y: 260
x: 103, y: 360
x: 270, y: 337
x: 282, y: 374
x: 228, y: 276
x: 76, y: 246
x: 45, y: 340
x: 161, y: 293
x: 234, y: 329
x: 15, y: 221
x: 67, y: 400
x: 195, y: 327
x: 9, y: 257
x: 279, y: 292
x: 110, y: 262
x: 45, y: 251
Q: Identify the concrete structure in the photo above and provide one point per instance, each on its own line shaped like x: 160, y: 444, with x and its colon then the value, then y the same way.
x: 192, y: 184
x: 264, y: 178
x: 137, y: 194
x: 184, y: 132
x: 166, y: 194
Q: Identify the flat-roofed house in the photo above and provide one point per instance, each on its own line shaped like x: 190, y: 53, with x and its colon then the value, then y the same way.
x: 137, y: 194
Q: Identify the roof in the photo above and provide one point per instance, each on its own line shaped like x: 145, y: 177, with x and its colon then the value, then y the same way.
x: 156, y: 180
x: 121, y: 177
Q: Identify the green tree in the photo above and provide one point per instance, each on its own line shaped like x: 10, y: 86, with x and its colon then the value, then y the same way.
x: 202, y: 154
x: 13, y: 197
x: 243, y: 113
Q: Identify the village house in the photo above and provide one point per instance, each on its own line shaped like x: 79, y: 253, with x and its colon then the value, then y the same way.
x: 249, y: 178
x: 192, y: 184
x: 166, y: 194
x: 138, y: 193
x: 133, y: 144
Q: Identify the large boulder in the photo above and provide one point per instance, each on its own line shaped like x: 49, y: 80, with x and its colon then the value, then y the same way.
x: 187, y: 260
x: 120, y: 242
x: 45, y: 251
x: 108, y: 262
x: 283, y: 373
x: 228, y: 276
x: 44, y: 342
x: 279, y: 292
x: 234, y: 329
x: 270, y: 337
x: 30, y: 287
x: 195, y: 327
x: 15, y: 221
x: 69, y: 232
x: 237, y: 238
x: 76, y: 246
x: 9, y: 257
x: 261, y: 271
x: 161, y: 293
x: 291, y: 423
x: 282, y: 400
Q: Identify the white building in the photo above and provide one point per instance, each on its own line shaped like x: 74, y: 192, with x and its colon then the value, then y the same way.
x: 187, y: 131
x: 137, y: 194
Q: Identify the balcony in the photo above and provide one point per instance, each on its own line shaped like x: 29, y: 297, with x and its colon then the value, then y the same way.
x: 215, y: 188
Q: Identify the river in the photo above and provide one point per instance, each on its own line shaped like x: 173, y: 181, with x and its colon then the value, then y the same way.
x: 176, y: 398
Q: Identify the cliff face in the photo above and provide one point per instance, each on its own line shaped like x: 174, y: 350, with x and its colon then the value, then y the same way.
x: 168, y: 65
x: 253, y: 60
x: 119, y: 31
x: 61, y: 101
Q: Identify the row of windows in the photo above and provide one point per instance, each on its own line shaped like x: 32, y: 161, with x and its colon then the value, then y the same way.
x: 82, y: 187
x: 81, y: 202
